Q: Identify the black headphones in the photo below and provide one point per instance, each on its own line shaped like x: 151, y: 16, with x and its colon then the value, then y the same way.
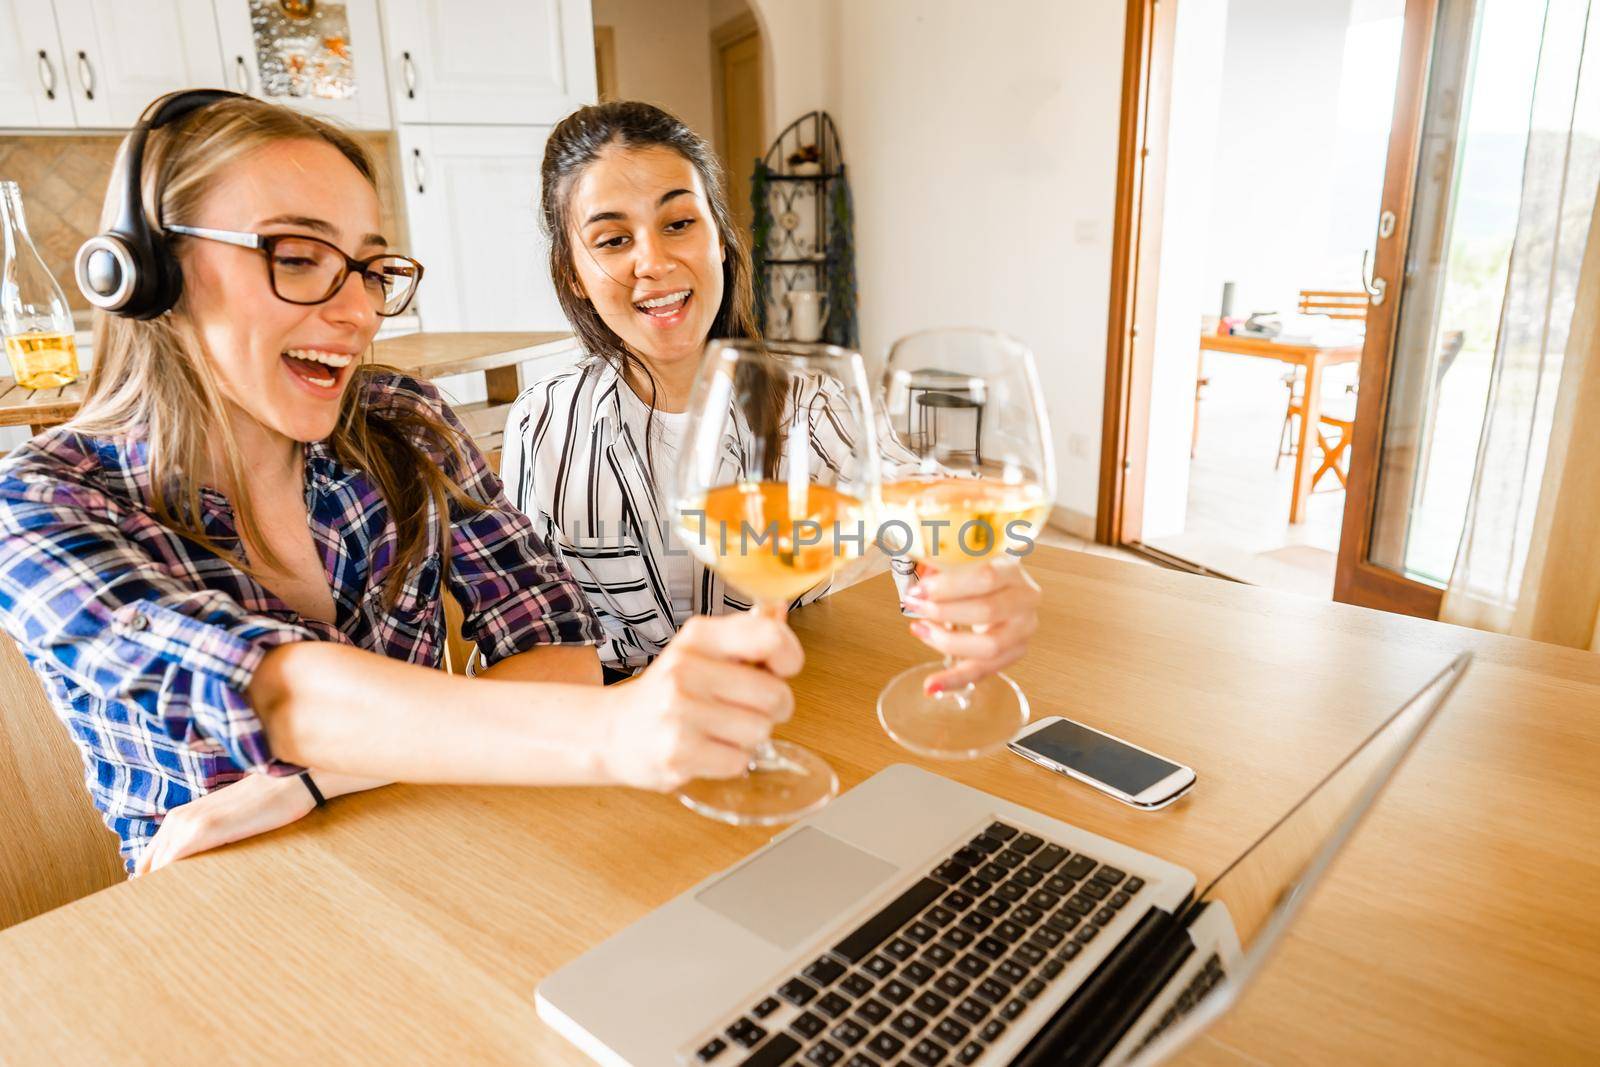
x: 129, y: 270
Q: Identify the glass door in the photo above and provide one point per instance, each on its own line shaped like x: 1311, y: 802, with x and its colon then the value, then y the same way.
x: 1462, y: 136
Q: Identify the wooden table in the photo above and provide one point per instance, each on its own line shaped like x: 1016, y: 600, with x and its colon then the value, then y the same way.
x: 497, y: 356
x: 1314, y: 359
x: 411, y: 925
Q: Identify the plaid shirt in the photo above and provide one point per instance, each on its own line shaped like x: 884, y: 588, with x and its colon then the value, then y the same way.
x: 147, y: 643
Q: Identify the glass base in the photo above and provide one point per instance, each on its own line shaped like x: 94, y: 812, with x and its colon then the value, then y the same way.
x: 953, y: 725
x: 800, y: 783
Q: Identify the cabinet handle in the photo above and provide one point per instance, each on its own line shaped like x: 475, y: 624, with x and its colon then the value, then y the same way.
x: 418, y: 171
x: 47, y: 75
x: 86, y: 74
x: 408, y: 70
x: 241, y: 74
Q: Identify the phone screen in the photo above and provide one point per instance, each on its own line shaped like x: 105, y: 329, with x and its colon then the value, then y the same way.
x: 1097, y: 756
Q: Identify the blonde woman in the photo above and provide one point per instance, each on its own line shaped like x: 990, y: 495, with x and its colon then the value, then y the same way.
x: 229, y: 567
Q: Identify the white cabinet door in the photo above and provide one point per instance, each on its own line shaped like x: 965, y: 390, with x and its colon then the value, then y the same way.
x: 472, y: 195
x: 329, y: 65
x: 122, y: 54
x: 33, y: 74
x: 490, y: 61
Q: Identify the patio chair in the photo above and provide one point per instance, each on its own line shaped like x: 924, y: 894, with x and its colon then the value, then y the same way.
x: 1348, y: 305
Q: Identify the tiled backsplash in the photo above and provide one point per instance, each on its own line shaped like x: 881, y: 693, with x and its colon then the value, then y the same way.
x: 63, y: 181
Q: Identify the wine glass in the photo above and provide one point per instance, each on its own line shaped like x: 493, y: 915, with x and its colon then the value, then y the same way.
x: 968, y: 478
x: 774, y: 489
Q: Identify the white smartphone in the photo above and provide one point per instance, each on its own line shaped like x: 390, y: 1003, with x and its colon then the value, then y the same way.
x: 1125, y: 771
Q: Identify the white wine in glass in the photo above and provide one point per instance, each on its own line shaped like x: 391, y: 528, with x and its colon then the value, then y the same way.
x: 968, y: 480
x: 774, y: 487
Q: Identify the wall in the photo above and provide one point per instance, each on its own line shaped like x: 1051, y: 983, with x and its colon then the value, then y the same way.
x: 981, y: 143
x: 1275, y: 228
x: 720, y: 11
x: 1185, y: 285
x: 63, y: 182
x: 800, y: 38
x: 663, y: 55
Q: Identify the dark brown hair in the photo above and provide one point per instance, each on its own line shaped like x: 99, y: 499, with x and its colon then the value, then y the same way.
x: 575, y: 143
x: 152, y: 376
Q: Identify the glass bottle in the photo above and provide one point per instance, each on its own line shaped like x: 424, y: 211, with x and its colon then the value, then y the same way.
x: 34, y: 316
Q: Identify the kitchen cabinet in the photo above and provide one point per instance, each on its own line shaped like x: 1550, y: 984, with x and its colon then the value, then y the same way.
x: 326, y: 59
x: 122, y: 54
x: 97, y: 63
x: 472, y: 195
x: 510, y: 62
x: 33, y: 71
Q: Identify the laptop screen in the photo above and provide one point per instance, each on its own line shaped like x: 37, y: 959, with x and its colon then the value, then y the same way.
x: 1273, y: 869
x: 1264, y: 888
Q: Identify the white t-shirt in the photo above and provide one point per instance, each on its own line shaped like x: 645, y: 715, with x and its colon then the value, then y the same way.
x: 667, y: 429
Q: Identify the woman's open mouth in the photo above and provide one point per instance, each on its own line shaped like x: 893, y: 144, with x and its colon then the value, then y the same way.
x: 666, y: 309
x: 318, y: 370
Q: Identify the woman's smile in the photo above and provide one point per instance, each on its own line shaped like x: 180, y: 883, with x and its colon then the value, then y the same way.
x: 666, y: 310
x: 321, y: 371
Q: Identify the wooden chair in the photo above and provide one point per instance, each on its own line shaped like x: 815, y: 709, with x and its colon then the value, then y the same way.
x: 1349, y: 305
x: 1334, y: 303
x: 54, y: 848
x: 1334, y: 452
x: 457, y: 649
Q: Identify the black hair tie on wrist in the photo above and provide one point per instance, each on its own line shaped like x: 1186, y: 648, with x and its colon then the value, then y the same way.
x: 311, y: 787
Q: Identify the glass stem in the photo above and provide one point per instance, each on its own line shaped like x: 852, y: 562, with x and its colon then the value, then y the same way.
x: 764, y: 757
x: 961, y: 696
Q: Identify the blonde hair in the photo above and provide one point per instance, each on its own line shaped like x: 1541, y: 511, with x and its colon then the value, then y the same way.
x: 152, y: 378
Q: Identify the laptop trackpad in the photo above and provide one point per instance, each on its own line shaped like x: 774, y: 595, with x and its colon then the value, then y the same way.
x: 795, y: 888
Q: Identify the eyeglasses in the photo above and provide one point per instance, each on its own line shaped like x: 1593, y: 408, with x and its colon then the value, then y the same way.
x: 309, y: 270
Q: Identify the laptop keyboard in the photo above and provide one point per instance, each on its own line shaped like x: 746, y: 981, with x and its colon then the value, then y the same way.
x: 1204, y: 980
x: 942, y: 970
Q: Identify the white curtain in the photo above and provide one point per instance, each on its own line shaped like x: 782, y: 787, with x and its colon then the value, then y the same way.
x: 1523, y: 565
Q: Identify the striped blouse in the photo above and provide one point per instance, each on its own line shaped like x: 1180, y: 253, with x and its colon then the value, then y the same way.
x: 575, y: 461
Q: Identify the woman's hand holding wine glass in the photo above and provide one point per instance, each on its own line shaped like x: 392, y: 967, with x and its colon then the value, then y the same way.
x: 969, y: 479
x: 980, y: 617
x: 780, y: 459
x: 704, y: 704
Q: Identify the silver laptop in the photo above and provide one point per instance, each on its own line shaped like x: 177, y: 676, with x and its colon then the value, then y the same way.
x: 919, y: 921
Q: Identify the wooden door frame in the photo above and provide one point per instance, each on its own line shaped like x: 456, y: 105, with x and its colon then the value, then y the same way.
x: 605, y: 64
x: 1135, y: 262
x: 1358, y: 580
x: 724, y: 35
x: 1135, y: 259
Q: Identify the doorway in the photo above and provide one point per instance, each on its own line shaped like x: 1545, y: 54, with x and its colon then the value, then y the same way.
x: 737, y: 92
x: 1251, y: 192
x: 1492, y: 113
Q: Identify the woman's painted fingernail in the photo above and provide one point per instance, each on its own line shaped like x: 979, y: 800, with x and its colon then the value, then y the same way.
x: 921, y: 629
x: 933, y: 689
